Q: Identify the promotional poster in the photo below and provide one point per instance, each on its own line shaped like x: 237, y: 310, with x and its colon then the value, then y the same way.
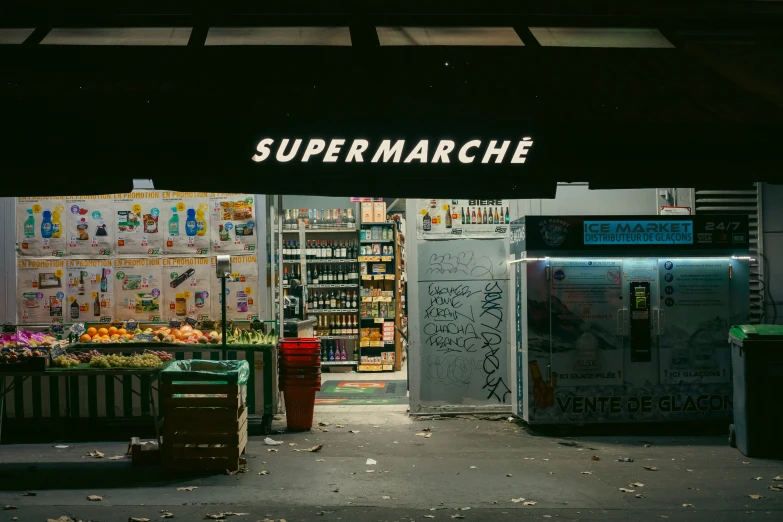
x: 137, y: 223
x: 454, y: 218
x: 185, y: 222
x: 39, y: 227
x: 233, y: 223
x: 90, y: 292
x: 137, y: 289
x: 242, y: 290
x: 89, y: 225
x: 186, y: 288
x: 41, y: 290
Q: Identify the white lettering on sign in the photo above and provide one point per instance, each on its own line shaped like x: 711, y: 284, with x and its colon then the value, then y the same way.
x: 390, y: 151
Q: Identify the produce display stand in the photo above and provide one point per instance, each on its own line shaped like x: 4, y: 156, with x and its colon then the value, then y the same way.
x: 66, y: 393
x: 147, y: 376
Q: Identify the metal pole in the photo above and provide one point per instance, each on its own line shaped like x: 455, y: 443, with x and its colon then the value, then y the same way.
x: 223, y: 312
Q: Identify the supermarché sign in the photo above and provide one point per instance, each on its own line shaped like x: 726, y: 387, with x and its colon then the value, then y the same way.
x: 339, y: 150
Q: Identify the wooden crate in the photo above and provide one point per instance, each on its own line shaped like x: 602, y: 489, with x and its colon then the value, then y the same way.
x: 205, y: 425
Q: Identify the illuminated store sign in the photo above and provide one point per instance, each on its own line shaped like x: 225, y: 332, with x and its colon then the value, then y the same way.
x: 338, y: 150
x: 638, y: 232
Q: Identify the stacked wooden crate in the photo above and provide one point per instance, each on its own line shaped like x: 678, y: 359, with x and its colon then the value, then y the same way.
x: 205, y: 423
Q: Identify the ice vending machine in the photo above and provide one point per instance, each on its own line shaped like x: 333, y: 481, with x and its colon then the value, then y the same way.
x: 625, y: 318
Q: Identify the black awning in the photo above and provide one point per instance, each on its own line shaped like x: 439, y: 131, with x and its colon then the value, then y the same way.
x: 192, y: 119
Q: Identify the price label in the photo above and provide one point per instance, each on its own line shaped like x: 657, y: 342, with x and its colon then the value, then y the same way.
x: 144, y: 241
x: 191, y: 241
x: 95, y: 242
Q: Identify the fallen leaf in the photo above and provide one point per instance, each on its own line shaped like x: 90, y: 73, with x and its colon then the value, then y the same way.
x: 746, y: 462
x: 335, y: 490
x: 371, y: 462
x: 639, y: 495
x: 687, y: 505
x: 473, y: 467
x: 651, y: 468
x: 757, y: 478
x: 636, y: 485
x: 353, y: 431
x: 776, y: 488
x: 428, y: 436
x: 325, y: 431
x: 457, y: 516
x: 339, y: 426
x: 61, y: 519
x: 596, y: 457
x: 117, y: 457
x: 626, y: 490
x: 688, y: 470
x: 517, y: 500
x: 370, y: 471
x: 94, y: 498
x: 270, y: 450
x: 263, y: 473
x: 30, y: 494
x: 322, y: 423
x: 421, y: 434
x: 135, y: 519
x: 271, y: 442
x: 509, y: 475
x: 316, y: 448
x: 465, y: 509
x: 528, y: 503
x: 529, y: 458
x: 320, y: 460
x: 9, y: 508
x: 587, y: 473
x: 427, y: 429
x: 292, y: 443
x: 96, y: 454
x: 187, y: 488
x: 755, y: 497
x: 429, y: 516
x: 60, y: 446
x: 646, y: 445
x: 778, y: 478
x: 386, y: 497
x: 166, y: 514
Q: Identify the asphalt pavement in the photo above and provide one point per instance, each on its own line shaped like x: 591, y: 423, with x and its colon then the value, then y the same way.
x: 468, y: 467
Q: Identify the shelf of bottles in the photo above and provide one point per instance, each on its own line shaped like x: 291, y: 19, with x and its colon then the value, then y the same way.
x: 328, y: 268
x: 377, y: 306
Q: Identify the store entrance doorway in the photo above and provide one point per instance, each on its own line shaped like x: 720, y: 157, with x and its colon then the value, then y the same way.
x: 357, y: 391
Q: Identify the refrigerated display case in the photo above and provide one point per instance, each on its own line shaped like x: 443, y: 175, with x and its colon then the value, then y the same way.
x: 625, y: 318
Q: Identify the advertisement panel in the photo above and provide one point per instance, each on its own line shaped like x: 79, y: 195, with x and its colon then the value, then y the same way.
x: 242, y: 290
x: 454, y: 218
x: 89, y: 225
x: 40, y: 290
x: 695, y: 294
x: 185, y: 219
x: 39, y: 226
x: 90, y: 294
x: 233, y: 223
x: 137, y: 225
x: 586, y: 347
x: 186, y: 289
x: 137, y: 289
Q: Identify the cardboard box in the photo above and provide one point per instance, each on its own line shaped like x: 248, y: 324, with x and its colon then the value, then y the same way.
x: 367, y: 212
x: 379, y: 211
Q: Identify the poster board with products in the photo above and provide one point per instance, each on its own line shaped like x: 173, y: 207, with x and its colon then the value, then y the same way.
x: 233, y: 223
x: 89, y: 225
x: 137, y: 223
x: 90, y: 290
x: 186, y: 288
x: 41, y: 290
x: 242, y: 290
x: 185, y: 223
x: 454, y: 218
x: 39, y: 226
x: 137, y: 289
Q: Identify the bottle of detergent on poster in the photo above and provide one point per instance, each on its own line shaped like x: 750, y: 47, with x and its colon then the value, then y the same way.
x: 46, y: 225
x: 57, y: 227
x: 201, y: 223
x: 174, y: 222
x: 29, y: 224
x: 190, y: 223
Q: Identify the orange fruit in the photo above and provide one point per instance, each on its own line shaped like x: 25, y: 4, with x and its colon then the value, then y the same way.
x: 92, y: 332
x: 187, y: 328
x: 128, y: 336
x: 112, y: 330
x: 103, y: 331
x: 104, y: 337
x: 85, y: 338
x: 96, y: 337
x: 115, y: 336
x: 122, y: 331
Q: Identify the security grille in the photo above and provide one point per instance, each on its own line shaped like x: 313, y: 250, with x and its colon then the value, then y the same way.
x: 746, y: 201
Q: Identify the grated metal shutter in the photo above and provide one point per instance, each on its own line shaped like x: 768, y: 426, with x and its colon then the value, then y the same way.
x: 741, y: 201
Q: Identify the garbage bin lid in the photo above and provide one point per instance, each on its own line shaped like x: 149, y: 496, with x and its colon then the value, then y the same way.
x: 761, y: 332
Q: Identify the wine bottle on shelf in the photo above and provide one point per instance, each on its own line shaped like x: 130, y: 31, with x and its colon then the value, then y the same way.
x: 473, y: 217
x: 331, y: 350
x: 508, y: 220
x: 323, y: 350
x: 484, y: 216
x: 497, y: 219
x: 315, y: 275
x: 321, y: 301
x: 448, y: 216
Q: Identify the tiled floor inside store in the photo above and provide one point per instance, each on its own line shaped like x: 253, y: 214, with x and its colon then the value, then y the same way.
x: 356, y: 376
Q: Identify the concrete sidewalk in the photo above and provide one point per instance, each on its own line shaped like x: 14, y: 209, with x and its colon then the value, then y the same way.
x: 465, y: 464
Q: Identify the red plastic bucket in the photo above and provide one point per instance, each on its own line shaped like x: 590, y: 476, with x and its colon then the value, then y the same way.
x: 300, y: 351
x: 300, y: 343
x: 299, y: 406
x: 300, y: 370
x: 308, y: 382
x: 300, y: 360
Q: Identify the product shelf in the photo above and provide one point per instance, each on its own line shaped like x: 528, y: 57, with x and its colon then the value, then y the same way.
x: 337, y: 337
x: 339, y: 363
x: 334, y: 311
x: 323, y: 231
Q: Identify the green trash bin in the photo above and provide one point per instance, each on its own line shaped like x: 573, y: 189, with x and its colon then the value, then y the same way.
x: 757, y: 363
